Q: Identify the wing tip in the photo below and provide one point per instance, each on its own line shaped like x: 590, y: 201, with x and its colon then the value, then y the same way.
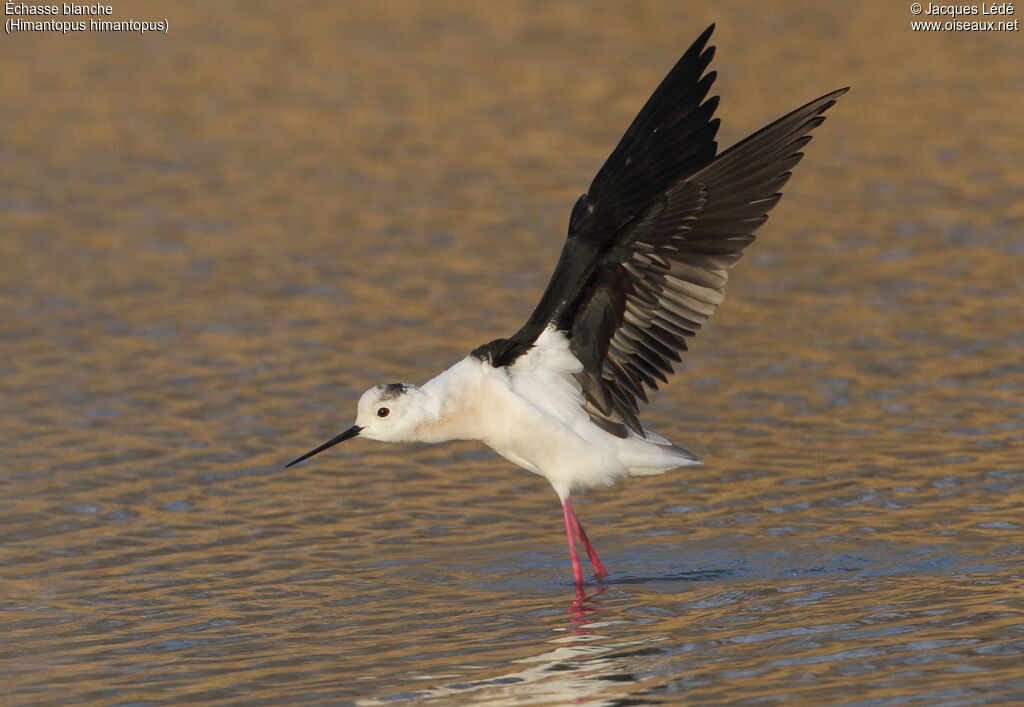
x: 829, y: 99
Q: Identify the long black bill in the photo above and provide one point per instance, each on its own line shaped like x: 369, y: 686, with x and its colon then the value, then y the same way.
x: 347, y: 434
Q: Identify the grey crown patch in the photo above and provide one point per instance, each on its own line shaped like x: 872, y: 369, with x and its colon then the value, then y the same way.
x: 393, y: 390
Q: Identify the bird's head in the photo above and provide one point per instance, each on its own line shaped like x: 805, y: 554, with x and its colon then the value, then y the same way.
x: 390, y: 413
x: 387, y: 413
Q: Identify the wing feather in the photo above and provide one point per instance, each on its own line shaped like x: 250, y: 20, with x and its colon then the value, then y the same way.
x: 672, y: 262
x: 651, y: 243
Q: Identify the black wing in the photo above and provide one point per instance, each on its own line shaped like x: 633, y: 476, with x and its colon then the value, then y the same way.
x: 651, y: 242
x: 672, y: 136
x: 666, y: 273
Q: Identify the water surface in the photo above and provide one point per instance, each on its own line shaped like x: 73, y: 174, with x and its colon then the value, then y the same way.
x: 215, y: 240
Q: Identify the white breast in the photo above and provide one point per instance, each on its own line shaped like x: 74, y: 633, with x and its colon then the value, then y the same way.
x: 532, y: 414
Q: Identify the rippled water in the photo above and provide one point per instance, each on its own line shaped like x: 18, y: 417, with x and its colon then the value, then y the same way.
x: 213, y: 241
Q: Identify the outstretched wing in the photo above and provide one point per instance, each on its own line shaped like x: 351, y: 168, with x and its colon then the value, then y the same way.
x: 672, y: 136
x: 651, y: 242
x: 666, y: 273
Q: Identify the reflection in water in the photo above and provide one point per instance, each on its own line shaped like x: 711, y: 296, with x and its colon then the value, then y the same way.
x: 575, y: 667
x: 583, y: 607
x: 201, y: 229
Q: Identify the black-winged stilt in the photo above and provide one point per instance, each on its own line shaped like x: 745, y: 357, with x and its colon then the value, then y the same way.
x: 644, y: 266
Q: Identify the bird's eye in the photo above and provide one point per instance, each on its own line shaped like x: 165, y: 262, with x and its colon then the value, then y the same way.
x: 383, y: 412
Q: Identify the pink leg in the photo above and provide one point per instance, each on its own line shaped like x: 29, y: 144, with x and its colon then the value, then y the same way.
x: 570, y: 528
x: 599, y: 569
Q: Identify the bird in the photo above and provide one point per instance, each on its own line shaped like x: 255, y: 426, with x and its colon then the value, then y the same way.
x: 648, y: 252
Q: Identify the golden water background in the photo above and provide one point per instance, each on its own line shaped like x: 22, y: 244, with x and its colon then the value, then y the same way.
x: 212, y: 241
